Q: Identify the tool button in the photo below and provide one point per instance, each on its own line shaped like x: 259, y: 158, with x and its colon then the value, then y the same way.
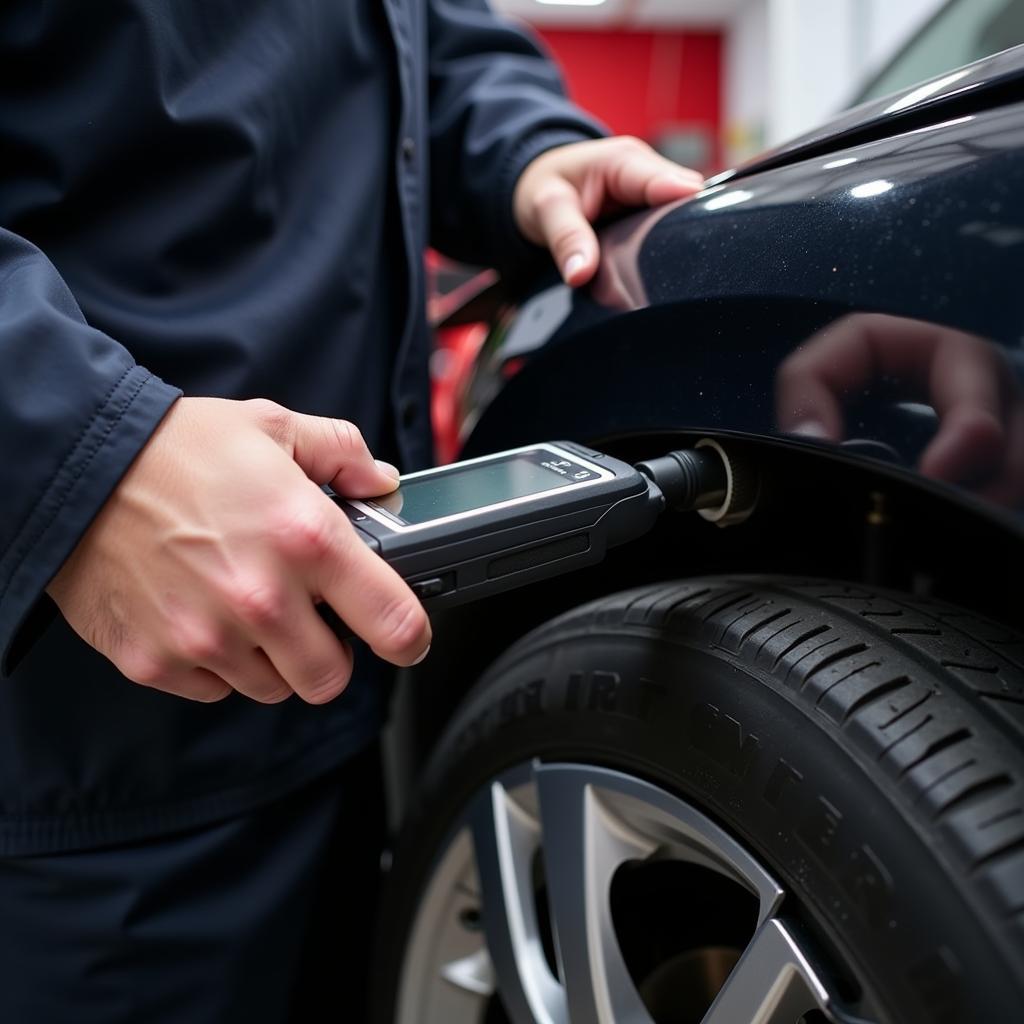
x: 433, y: 586
x: 354, y: 515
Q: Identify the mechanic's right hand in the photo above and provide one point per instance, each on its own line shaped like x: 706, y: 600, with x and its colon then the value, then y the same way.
x: 201, y: 573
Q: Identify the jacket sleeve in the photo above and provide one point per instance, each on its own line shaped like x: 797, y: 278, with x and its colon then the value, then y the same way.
x: 75, y: 410
x: 496, y: 102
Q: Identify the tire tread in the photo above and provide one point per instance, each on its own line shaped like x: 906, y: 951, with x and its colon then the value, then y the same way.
x: 933, y: 694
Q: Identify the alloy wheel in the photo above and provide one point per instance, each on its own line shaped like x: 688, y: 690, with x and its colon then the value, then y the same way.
x: 574, y: 893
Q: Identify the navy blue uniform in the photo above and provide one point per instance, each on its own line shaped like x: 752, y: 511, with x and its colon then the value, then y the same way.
x: 230, y: 198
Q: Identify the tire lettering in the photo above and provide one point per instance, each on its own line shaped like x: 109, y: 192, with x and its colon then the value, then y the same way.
x: 819, y: 826
x: 721, y: 738
x: 572, y: 691
x: 783, y: 775
x: 604, y: 691
x: 608, y: 693
x: 870, y: 886
x: 819, y: 831
x: 523, y: 700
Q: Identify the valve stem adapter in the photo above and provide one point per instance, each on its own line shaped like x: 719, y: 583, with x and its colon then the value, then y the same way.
x: 722, y: 486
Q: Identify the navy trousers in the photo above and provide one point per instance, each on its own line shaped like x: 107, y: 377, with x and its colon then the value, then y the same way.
x: 263, y: 918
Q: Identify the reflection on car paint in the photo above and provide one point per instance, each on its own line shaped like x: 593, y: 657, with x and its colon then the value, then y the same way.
x: 967, y: 383
x: 896, y: 262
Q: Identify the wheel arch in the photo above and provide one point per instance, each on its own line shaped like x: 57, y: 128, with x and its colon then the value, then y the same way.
x: 822, y: 513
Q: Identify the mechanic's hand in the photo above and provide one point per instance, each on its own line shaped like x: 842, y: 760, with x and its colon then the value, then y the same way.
x: 565, y: 189
x: 200, y: 574
x: 980, y: 440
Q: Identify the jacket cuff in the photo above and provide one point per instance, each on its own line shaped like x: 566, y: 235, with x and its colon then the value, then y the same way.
x: 522, y: 258
x: 100, y: 458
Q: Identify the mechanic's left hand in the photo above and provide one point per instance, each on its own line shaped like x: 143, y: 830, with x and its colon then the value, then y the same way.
x: 565, y: 189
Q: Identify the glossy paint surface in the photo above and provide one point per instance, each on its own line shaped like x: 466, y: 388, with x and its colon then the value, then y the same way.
x: 870, y: 297
x: 980, y: 85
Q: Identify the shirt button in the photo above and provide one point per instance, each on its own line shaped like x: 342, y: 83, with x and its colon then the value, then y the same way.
x: 408, y: 149
x: 408, y: 410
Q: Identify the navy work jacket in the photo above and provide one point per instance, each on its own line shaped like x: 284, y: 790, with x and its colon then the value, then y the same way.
x: 231, y: 198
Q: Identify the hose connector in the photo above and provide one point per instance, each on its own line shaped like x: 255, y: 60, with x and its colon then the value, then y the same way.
x: 688, y: 478
x: 720, y: 485
x: 742, y: 485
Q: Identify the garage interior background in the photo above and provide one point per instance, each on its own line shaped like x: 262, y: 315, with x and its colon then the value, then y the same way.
x: 711, y: 82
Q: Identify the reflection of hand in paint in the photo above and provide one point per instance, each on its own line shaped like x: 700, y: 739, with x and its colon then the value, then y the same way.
x: 968, y: 381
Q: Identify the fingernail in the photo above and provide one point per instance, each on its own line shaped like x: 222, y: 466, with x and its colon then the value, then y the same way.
x: 386, y: 467
x: 574, y: 263
x: 812, y: 429
x: 422, y: 656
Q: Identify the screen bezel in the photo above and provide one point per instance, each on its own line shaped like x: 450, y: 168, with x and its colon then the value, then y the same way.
x: 601, y: 475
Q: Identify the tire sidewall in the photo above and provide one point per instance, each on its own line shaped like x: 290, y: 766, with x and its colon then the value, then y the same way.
x: 731, y: 740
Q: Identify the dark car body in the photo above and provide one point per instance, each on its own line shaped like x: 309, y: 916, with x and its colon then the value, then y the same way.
x: 911, y: 208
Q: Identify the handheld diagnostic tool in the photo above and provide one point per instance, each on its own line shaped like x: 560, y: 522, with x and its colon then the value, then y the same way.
x: 501, y: 521
x: 494, y: 523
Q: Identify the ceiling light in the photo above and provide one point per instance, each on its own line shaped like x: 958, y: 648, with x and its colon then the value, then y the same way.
x: 923, y: 92
x: 728, y: 199
x: 870, y: 188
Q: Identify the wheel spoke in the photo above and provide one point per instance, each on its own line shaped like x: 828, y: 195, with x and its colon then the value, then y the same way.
x: 505, y: 839
x: 583, y: 845
x: 473, y: 973
x: 772, y: 983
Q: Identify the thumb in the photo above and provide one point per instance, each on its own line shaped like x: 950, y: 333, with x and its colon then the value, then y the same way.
x: 333, y: 452
x: 565, y: 230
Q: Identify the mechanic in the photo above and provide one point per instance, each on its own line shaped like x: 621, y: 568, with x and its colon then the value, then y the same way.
x: 204, y: 202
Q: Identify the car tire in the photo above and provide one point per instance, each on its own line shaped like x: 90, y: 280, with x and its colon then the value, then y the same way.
x: 861, y: 748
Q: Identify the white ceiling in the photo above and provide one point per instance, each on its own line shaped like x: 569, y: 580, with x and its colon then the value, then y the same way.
x: 696, y: 13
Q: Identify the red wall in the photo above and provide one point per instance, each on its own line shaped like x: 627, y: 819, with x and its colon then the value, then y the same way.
x: 640, y: 83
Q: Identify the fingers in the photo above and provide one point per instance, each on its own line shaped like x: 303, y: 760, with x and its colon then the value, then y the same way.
x: 334, y: 452
x: 962, y: 376
x: 811, y: 382
x: 317, y: 555
x: 329, y: 451
x: 207, y: 657
x: 326, y: 559
x: 304, y: 651
x: 378, y: 606
x: 298, y: 654
x: 566, y: 188
x: 967, y: 449
x: 200, y: 575
x: 253, y: 674
x: 805, y: 404
x: 967, y: 378
x: 564, y: 229
x: 1007, y: 486
x: 638, y: 176
x: 169, y: 675
x: 257, y: 629
x: 198, y: 685
x: 371, y: 598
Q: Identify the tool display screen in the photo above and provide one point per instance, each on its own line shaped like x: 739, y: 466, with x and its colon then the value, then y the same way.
x: 481, y: 485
